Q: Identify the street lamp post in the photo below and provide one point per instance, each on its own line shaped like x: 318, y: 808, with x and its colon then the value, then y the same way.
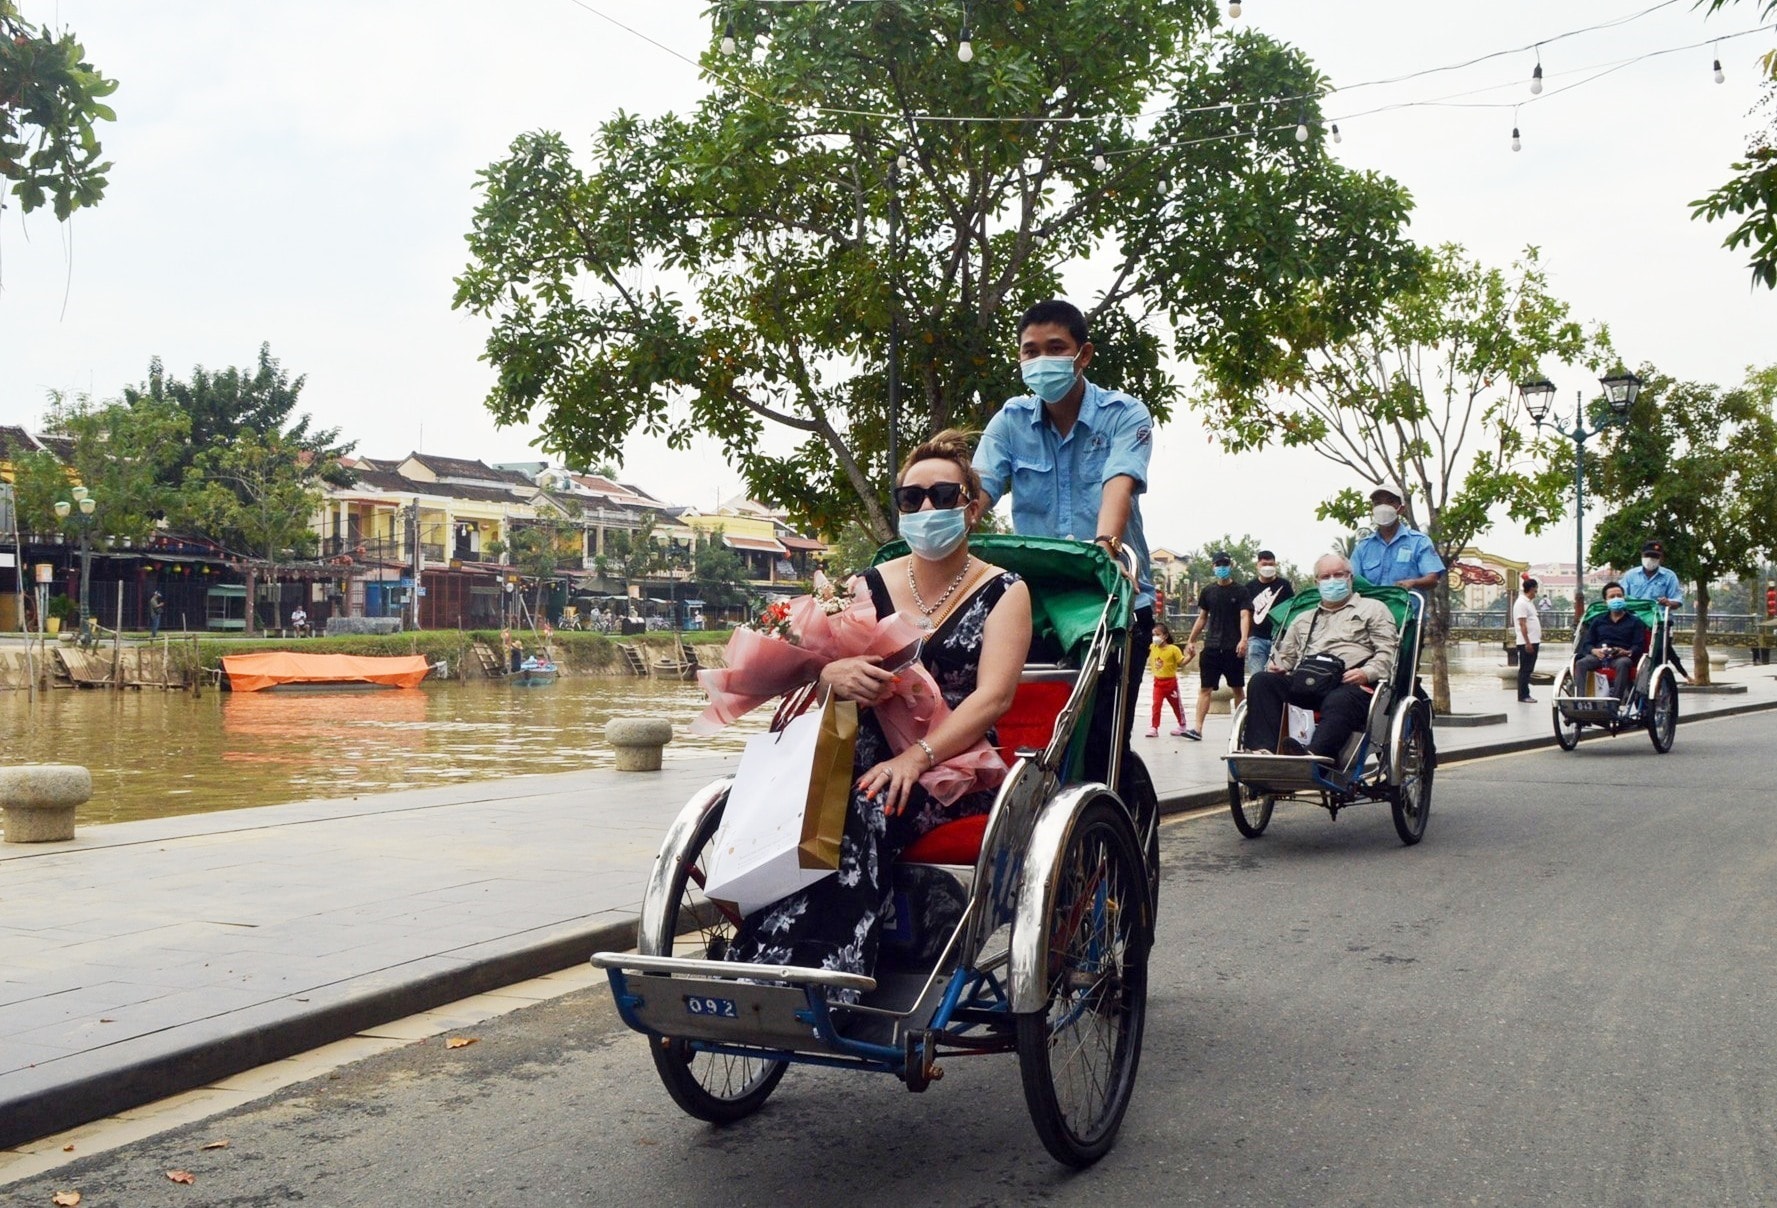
x: 85, y: 504
x: 1620, y: 391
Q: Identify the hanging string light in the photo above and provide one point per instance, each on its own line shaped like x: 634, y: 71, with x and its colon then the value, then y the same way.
x: 1517, y: 143
x: 965, y: 46
x: 1337, y: 137
x: 1099, y: 162
x: 1720, y: 76
x: 1536, y: 76
x: 1302, y: 124
x: 729, y: 45
x: 1234, y: 9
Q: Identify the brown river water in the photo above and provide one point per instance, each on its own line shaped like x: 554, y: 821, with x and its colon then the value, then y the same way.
x: 155, y: 754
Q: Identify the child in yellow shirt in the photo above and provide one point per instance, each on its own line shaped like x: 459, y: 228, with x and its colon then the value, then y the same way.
x: 1164, y: 661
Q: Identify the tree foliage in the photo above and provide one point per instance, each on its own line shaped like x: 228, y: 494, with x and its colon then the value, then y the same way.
x: 1426, y: 398
x: 1751, y: 193
x: 227, y: 404
x: 122, y: 455
x: 254, y: 494
x: 1695, y: 467
x: 49, y: 104
x: 723, y: 274
x: 719, y: 572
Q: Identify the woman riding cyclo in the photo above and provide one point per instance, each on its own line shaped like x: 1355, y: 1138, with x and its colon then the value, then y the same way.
x: 975, y: 621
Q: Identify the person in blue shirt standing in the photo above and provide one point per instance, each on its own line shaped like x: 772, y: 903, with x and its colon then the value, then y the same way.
x: 1654, y: 580
x: 1395, y: 554
x: 1074, y: 456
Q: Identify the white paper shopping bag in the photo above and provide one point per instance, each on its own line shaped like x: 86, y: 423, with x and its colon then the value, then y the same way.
x: 785, y: 811
x: 1301, y: 724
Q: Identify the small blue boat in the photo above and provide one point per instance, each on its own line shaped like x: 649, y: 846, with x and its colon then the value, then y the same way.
x: 534, y: 673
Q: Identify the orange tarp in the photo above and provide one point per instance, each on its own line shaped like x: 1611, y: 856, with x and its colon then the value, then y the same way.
x: 256, y: 672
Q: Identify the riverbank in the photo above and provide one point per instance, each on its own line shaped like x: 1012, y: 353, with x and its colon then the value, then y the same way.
x: 146, y: 958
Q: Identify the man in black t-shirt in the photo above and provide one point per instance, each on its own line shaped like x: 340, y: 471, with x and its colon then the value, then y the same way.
x: 1226, y: 611
x: 1268, y: 593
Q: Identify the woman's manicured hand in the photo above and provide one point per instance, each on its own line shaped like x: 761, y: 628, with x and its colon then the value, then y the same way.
x: 858, y: 679
x: 893, y: 779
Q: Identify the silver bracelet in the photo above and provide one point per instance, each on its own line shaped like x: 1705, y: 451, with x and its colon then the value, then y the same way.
x: 931, y: 758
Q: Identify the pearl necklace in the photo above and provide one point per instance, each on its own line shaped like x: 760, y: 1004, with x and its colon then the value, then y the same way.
x: 926, y: 610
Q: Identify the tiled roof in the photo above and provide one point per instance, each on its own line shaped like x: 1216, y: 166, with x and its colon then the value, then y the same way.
x: 462, y: 467
x: 15, y: 441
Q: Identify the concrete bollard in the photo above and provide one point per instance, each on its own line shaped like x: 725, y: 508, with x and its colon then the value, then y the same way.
x: 37, y: 801
x: 638, y: 741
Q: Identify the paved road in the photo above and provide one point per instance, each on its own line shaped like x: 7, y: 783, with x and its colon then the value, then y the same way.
x: 1562, y: 996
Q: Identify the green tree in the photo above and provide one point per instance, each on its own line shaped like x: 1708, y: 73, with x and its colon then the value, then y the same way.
x: 121, y: 454
x: 256, y: 494
x: 636, y: 555
x: 538, y: 549
x: 720, y: 573
x: 224, y: 405
x: 49, y: 104
x: 1696, y: 467
x: 1751, y: 194
x: 1426, y: 398
x: 1130, y: 129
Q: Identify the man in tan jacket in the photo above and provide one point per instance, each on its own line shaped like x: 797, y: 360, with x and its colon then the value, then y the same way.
x: 1359, y: 632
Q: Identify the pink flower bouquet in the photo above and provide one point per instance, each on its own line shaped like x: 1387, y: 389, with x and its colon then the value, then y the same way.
x: 789, y: 643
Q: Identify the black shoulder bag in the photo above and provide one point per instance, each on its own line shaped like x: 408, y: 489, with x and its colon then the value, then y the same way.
x: 1316, y: 674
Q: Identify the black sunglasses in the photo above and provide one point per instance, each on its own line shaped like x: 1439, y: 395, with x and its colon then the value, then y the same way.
x: 943, y: 495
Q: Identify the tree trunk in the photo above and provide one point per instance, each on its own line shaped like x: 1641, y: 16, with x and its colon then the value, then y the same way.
x: 1700, y: 640
x: 1436, y: 637
x: 252, y: 600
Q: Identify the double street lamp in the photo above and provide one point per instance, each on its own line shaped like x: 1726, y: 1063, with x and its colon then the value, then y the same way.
x: 84, y: 503
x: 1620, y: 391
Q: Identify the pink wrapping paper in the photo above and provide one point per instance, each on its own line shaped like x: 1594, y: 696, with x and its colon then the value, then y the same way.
x: 762, y: 667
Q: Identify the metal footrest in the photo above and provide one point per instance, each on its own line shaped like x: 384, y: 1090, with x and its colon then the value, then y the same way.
x: 1587, y: 708
x: 1283, y: 773
x: 722, y: 1001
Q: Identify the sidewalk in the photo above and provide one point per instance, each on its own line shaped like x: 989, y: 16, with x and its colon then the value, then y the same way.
x: 146, y: 958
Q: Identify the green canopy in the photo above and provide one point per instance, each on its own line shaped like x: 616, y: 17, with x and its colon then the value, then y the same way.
x: 1069, y: 583
x: 1647, y: 610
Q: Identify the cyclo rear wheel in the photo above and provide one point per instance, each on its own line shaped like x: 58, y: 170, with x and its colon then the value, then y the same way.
x: 1662, y: 712
x: 1252, y: 811
x: 1567, y: 732
x: 1078, y: 1055
x: 1411, y: 802
x: 717, y: 1087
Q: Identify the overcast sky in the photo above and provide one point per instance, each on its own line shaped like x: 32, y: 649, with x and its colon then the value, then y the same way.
x: 301, y: 173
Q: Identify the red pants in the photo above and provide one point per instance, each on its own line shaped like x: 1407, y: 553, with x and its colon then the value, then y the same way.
x: 1166, y: 690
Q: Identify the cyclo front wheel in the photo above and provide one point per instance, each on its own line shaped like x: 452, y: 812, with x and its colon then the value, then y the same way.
x: 1662, y: 712
x: 718, y: 1087
x: 1567, y: 732
x: 1078, y: 1055
x: 1411, y: 802
x: 1252, y: 811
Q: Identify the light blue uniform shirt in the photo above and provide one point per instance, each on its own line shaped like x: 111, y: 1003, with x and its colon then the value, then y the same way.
x: 1385, y: 563
x: 1662, y: 584
x: 1057, y: 482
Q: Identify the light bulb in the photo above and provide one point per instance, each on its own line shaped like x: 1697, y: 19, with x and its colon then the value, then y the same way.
x: 1100, y: 163
x: 1301, y: 132
x: 1234, y: 8
x: 1517, y: 143
x: 728, y: 43
x: 965, y: 49
x: 1337, y: 137
x: 1536, y: 81
x: 1720, y: 76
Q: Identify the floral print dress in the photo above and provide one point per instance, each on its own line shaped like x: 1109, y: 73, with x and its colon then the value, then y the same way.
x: 836, y: 923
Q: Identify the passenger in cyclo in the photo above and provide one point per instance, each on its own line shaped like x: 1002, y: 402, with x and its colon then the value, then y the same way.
x: 977, y: 624
x: 1613, y: 640
x: 1357, y: 631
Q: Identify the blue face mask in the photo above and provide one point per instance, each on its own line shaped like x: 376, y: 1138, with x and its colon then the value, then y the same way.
x: 1050, y: 378
x: 1617, y: 603
x: 936, y: 533
x: 1224, y: 572
x: 1332, y: 591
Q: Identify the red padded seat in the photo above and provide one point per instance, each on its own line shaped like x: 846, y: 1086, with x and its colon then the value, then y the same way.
x: 957, y: 842
x: 1030, y: 722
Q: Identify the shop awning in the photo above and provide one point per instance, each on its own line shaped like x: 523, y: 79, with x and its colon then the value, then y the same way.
x: 761, y: 545
x: 795, y: 544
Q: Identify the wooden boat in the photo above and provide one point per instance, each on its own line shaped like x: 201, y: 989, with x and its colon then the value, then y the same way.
x: 683, y: 666
x: 535, y: 673
x: 283, y: 670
